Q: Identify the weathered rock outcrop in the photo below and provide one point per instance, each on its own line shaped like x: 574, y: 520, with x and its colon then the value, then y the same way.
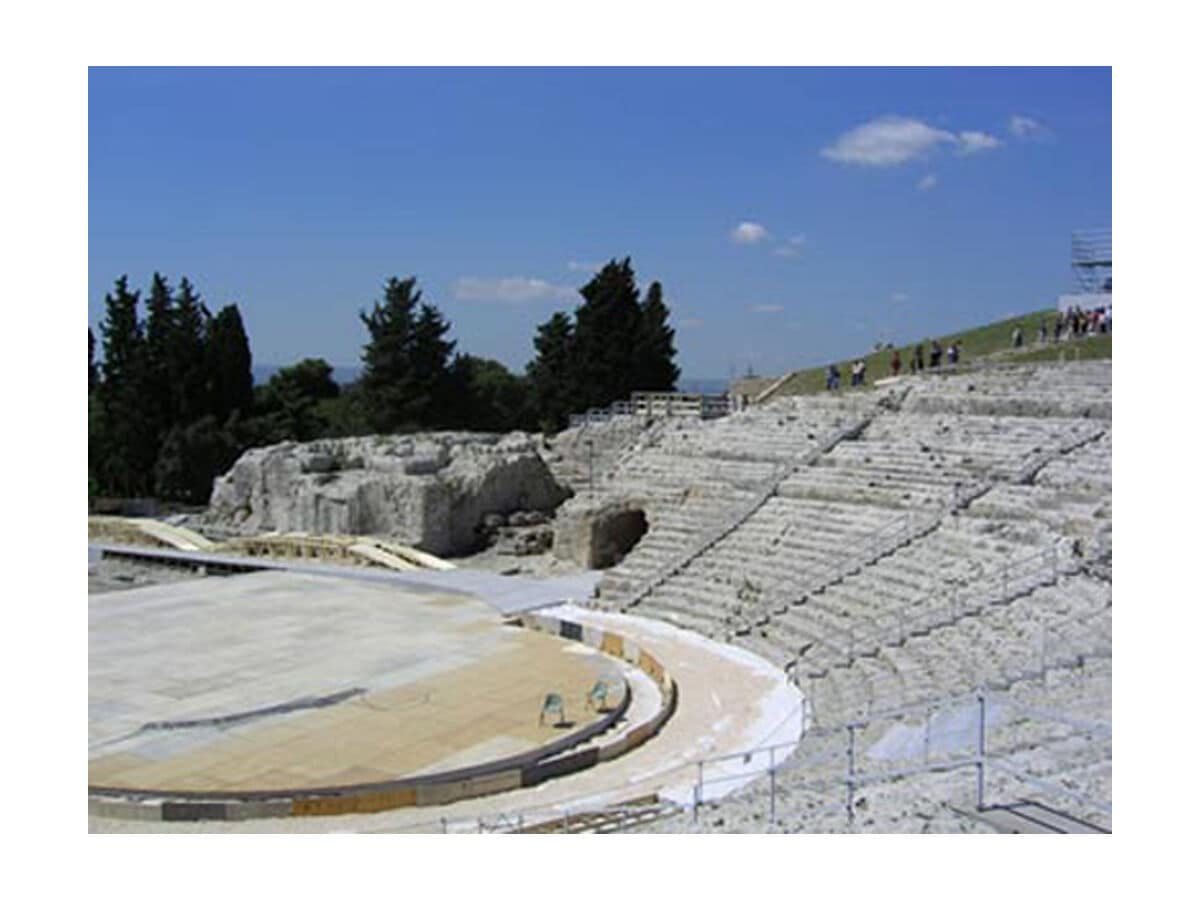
x: 597, y: 533
x: 430, y: 490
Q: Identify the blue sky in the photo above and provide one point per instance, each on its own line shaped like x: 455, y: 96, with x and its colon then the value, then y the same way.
x: 792, y: 215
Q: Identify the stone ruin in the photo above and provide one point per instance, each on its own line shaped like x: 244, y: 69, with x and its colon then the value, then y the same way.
x: 436, y: 491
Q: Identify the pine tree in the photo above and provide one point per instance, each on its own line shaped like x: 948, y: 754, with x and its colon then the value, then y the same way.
x: 122, y: 451
x: 606, y: 329
x: 405, y: 372
x: 159, y: 395
x: 287, y: 405
x: 228, y: 365
x: 552, y: 372
x: 93, y: 373
x: 489, y: 397
x: 654, y: 347
x: 189, y: 379
x: 191, y: 456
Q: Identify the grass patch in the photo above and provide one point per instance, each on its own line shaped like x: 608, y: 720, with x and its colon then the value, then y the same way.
x: 993, y: 341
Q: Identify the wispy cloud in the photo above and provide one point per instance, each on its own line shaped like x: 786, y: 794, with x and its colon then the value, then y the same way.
x: 792, y: 246
x: 928, y: 182
x: 574, y: 266
x: 748, y: 233
x: 691, y: 323
x: 895, y: 140
x: 1027, y: 128
x: 899, y: 297
x: 1023, y: 126
x: 768, y: 308
x: 976, y: 141
x: 514, y: 290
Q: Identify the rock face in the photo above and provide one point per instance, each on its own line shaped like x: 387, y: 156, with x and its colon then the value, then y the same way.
x: 430, y: 490
x: 599, y: 533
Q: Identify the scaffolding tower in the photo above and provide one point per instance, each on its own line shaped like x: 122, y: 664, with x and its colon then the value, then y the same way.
x: 1091, y: 260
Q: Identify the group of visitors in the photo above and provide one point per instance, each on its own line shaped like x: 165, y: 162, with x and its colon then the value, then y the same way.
x: 916, y: 362
x: 858, y: 369
x: 1078, y: 322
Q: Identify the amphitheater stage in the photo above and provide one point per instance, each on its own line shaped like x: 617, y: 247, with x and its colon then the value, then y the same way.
x: 507, y: 594
x: 730, y: 702
x: 273, y: 681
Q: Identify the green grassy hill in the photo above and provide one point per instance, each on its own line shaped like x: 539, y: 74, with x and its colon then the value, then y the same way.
x: 993, y: 341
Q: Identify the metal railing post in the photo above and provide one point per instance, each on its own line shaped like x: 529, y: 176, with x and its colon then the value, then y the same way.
x: 981, y: 750
x: 928, y: 728
x: 850, y: 774
x: 772, y: 764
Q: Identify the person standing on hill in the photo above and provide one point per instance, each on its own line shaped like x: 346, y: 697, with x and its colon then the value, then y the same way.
x: 832, y: 378
x: 935, y: 354
x: 919, y: 356
x: 952, y: 354
x: 1018, y: 338
x: 895, y: 363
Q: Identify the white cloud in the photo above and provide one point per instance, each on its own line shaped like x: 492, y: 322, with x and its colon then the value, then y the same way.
x: 1023, y: 126
x: 574, y: 266
x: 895, y: 140
x: 899, y: 297
x: 508, y: 290
x: 691, y: 323
x: 766, y: 308
x: 748, y: 233
x: 927, y: 182
x: 887, y: 141
x: 791, y: 247
x: 976, y: 141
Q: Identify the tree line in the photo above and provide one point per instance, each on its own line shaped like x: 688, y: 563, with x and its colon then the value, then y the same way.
x: 172, y: 401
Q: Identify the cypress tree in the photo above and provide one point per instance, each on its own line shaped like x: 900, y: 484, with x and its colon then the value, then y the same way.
x: 552, y: 372
x: 93, y: 374
x: 159, y: 395
x: 124, y: 447
x: 405, y: 363
x: 654, y: 348
x: 606, y: 330
x: 228, y: 365
x: 189, y: 379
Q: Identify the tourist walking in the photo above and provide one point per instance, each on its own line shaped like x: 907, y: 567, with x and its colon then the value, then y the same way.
x: 895, y: 363
x: 935, y: 355
x: 952, y: 354
x: 1018, y: 338
x: 919, y: 356
x: 832, y: 378
x: 858, y: 374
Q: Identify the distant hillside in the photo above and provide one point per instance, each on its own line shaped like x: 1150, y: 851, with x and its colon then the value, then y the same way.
x: 993, y: 341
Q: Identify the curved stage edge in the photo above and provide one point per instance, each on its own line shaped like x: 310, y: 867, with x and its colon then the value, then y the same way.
x: 511, y: 773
